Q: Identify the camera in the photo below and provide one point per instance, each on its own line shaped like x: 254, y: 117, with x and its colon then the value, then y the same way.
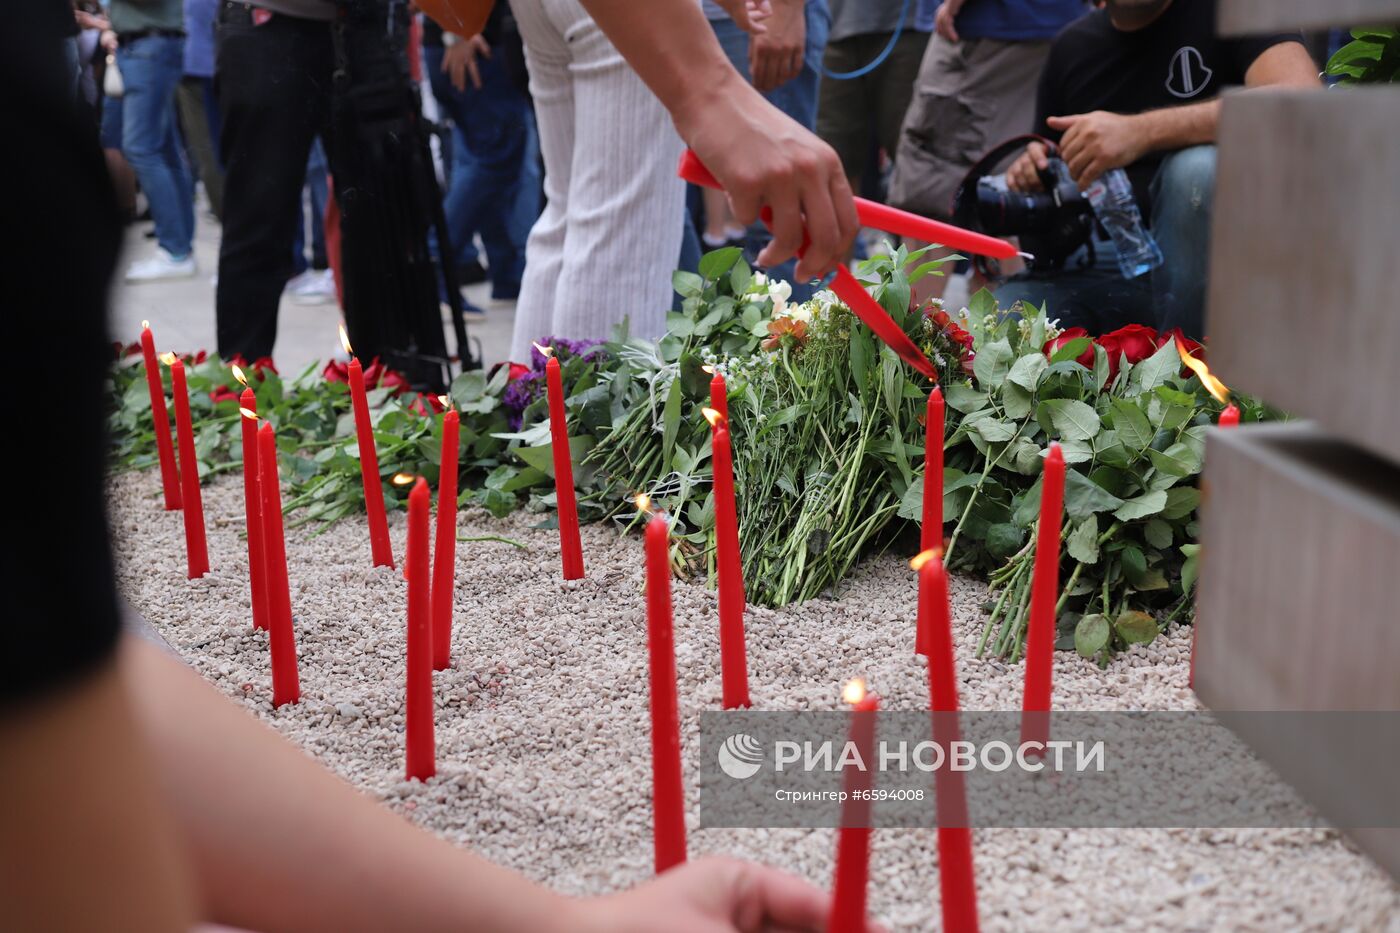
x: 1051, y: 224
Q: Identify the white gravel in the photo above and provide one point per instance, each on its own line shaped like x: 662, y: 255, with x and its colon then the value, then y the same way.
x: 543, y: 755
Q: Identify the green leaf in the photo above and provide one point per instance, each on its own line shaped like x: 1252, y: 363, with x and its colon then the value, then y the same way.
x: 1015, y: 401
x: 1156, y: 369
x: 1189, y: 569
x: 1073, y: 420
x: 964, y: 398
x: 1144, y: 505
x: 1084, y: 497
x: 671, y: 422
x: 992, y: 363
x: 1181, y: 502
x: 1083, y: 541
x: 687, y: 284
x: 1003, y: 540
x: 1076, y: 452
x: 1131, y: 424
x: 1091, y: 635
x: 1070, y: 350
x: 679, y: 325
x: 717, y: 263
x: 981, y: 304
x: 1135, y: 628
x: 1134, y: 563
x: 740, y: 277
x: 1158, y: 533
x: 1027, y: 370
x: 992, y: 430
x: 1176, y: 460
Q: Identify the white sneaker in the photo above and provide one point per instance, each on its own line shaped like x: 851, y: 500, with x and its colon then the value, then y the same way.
x: 312, y: 287
x: 161, y: 266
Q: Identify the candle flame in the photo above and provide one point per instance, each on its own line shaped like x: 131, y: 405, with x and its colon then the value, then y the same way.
x: 923, y: 557
x: 1213, y: 385
x: 446, y: 400
x: 345, y: 340
x: 169, y: 359
x: 248, y: 413
x: 238, y: 374
x: 145, y: 325
x: 854, y: 691
x: 712, y: 416
x: 643, y: 502
x: 403, y: 479
x: 708, y: 368
x: 545, y: 351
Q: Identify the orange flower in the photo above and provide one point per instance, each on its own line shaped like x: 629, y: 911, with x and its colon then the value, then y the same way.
x: 778, y: 328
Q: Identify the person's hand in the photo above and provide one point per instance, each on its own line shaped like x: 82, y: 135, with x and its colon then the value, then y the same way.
x: 763, y: 158
x: 748, y: 15
x: 1094, y: 143
x: 459, y: 61
x: 777, y: 53
x: 88, y: 20
x: 712, y: 895
x: 1024, y: 173
x: 943, y: 20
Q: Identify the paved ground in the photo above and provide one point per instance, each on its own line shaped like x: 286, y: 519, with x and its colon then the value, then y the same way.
x: 181, y: 312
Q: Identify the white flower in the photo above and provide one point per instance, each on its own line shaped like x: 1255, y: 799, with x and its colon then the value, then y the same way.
x: 780, y: 291
x: 801, y: 313
x: 758, y: 282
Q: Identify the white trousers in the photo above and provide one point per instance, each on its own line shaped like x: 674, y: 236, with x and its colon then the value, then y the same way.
x: 610, y: 235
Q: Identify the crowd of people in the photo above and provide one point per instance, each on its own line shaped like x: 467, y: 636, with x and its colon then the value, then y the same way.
x: 557, y: 161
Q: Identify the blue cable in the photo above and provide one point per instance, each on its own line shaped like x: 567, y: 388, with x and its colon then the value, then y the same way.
x: 879, y: 59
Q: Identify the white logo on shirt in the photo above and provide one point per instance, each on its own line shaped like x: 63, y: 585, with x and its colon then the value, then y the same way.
x: 1187, y: 75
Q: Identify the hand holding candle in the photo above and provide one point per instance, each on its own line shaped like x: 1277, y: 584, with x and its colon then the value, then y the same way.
x: 853, y: 839
x: 1045, y: 589
x: 668, y: 794
x: 420, y: 756
x: 445, y: 544
x: 286, y: 681
x: 196, y: 548
x: 252, y: 504
x: 570, y: 545
x: 160, y: 419
x: 381, y: 552
x: 734, y: 674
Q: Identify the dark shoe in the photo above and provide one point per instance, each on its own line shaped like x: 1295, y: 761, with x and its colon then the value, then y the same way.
x: 506, y: 292
x: 471, y: 273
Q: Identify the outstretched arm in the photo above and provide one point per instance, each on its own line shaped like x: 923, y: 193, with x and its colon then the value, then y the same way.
x: 279, y: 843
x: 760, y: 156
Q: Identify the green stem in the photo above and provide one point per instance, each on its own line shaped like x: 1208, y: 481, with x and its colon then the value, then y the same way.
x: 497, y: 538
x: 967, y: 509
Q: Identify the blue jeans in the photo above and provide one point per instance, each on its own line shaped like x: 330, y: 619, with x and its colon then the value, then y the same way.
x: 151, y: 68
x: 797, y: 98
x: 1099, y: 299
x: 495, y: 187
x: 316, y: 192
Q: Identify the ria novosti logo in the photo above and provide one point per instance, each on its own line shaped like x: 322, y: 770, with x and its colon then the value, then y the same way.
x: 740, y: 756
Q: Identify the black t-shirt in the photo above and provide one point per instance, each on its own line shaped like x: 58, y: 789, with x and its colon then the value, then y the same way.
x: 1177, y: 59
x: 61, y: 221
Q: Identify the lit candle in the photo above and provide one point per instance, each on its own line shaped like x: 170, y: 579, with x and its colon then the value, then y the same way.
x: 286, y: 682
x: 1230, y: 417
x: 1045, y: 586
x: 419, y: 753
x: 957, y: 881
x: 382, y: 553
x: 668, y: 796
x: 853, y: 840
x: 734, y: 672
x: 160, y: 418
x: 445, y: 546
x: 570, y: 546
x: 252, y: 504
x: 931, y: 532
x: 719, y: 392
x: 196, y: 549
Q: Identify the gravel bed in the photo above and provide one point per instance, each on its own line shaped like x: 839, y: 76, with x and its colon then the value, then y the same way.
x: 543, y: 760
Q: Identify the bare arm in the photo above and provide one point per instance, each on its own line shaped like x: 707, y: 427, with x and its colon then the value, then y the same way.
x: 762, y: 157
x: 279, y: 843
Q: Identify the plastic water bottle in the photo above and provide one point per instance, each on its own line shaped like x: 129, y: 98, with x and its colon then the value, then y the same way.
x: 1111, y: 196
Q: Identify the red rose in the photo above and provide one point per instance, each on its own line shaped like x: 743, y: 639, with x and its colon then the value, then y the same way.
x: 336, y: 371
x: 223, y: 394
x: 1071, y: 333
x: 1176, y: 336
x: 1134, y: 341
x: 517, y: 370
x: 261, y: 363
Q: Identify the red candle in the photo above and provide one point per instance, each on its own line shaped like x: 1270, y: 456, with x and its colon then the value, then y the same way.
x: 445, y: 546
x: 853, y: 839
x: 382, y: 553
x: 734, y: 667
x: 286, y: 682
x: 957, y: 881
x: 931, y: 532
x: 570, y: 546
x: 1045, y: 587
x: 419, y: 754
x: 1230, y: 417
x: 160, y: 418
x: 252, y: 506
x: 719, y: 392
x: 196, y: 549
x: 668, y: 796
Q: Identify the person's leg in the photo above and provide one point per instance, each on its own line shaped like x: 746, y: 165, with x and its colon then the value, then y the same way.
x: 459, y: 165
x: 552, y: 87
x: 273, y: 85
x: 893, y: 87
x: 151, y: 69
x: 1096, y: 298
x: 194, y: 123
x: 625, y: 202
x: 1181, y: 205
x: 844, y: 114
x: 317, y: 194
